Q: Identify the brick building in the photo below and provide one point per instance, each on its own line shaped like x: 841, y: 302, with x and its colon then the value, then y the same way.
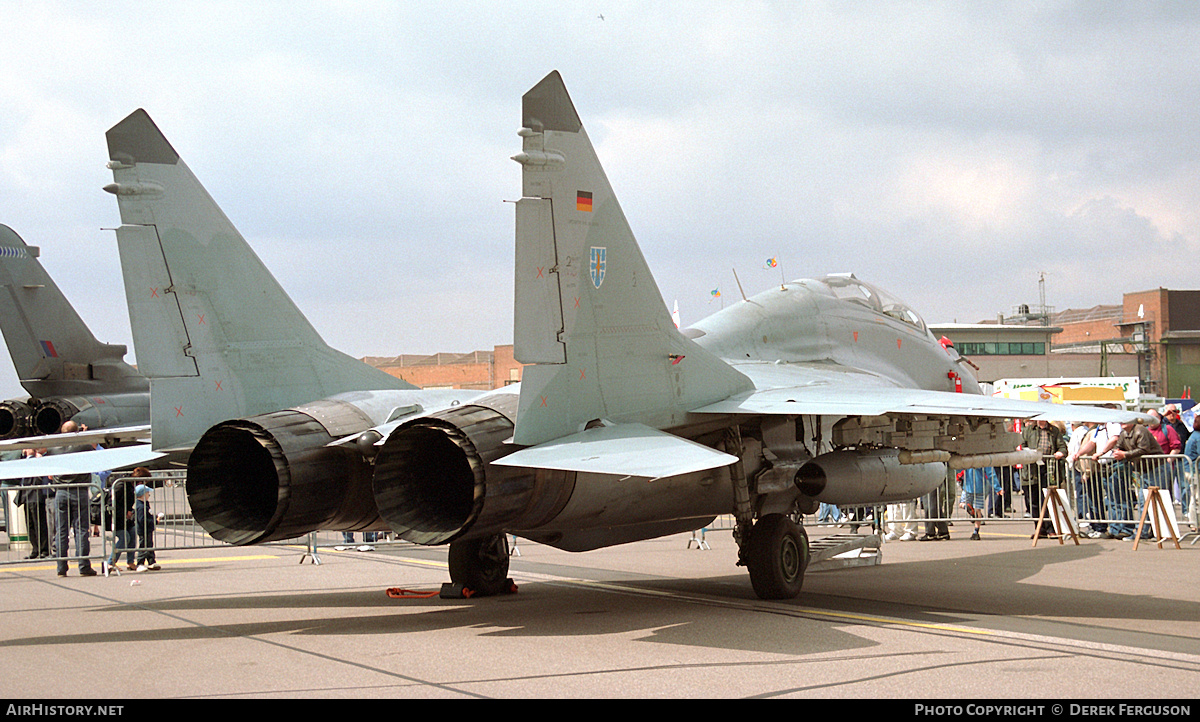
x: 1153, y: 335
x: 482, y: 370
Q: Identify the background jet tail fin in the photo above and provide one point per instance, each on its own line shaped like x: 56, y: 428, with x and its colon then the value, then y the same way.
x: 54, y: 352
x: 213, y: 330
x: 588, y: 313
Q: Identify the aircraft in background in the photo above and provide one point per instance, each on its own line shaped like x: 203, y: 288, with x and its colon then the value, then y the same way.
x: 627, y: 428
x: 66, y: 371
x: 234, y: 364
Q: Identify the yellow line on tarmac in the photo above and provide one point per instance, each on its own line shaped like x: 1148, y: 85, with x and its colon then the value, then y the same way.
x: 900, y: 622
x: 426, y: 562
x: 96, y: 565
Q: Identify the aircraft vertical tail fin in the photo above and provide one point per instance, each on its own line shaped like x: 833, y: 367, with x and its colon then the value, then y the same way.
x: 214, y: 331
x: 588, y: 314
x: 54, y: 352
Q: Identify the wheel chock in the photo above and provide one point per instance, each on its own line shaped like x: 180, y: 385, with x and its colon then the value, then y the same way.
x: 450, y: 590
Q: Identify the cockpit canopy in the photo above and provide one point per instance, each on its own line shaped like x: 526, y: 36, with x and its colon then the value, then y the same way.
x: 845, y: 286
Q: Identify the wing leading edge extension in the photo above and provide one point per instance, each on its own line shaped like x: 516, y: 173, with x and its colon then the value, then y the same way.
x: 793, y: 389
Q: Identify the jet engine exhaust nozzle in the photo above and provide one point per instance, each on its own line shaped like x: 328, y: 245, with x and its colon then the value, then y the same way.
x: 272, y: 477
x: 434, y: 484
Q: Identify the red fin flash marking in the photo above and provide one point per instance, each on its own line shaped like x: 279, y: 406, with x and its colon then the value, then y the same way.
x: 897, y: 343
x: 856, y: 337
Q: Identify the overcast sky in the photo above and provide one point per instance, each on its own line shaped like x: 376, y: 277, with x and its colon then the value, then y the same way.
x: 948, y: 152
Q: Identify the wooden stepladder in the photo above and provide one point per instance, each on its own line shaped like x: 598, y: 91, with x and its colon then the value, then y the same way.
x: 1056, y: 503
x: 1162, y: 518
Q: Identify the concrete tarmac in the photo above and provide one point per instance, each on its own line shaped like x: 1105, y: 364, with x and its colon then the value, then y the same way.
x: 958, y: 619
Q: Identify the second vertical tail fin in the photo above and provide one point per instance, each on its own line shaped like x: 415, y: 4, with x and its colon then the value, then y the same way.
x: 54, y: 352
x: 215, y: 332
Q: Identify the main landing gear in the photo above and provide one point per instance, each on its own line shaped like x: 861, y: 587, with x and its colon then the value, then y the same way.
x: 478, y: 568
x: 776, y: 554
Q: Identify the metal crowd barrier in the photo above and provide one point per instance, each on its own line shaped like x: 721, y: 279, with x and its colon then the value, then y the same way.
x: 174, y: 527
x: 1102, y: 495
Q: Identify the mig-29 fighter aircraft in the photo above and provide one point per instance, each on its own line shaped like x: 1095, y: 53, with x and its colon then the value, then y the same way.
x: 625, y: 428
x: 628, y: 428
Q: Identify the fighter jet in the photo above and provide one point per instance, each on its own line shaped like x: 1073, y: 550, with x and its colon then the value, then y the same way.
x: 66, y: 371
x: 627, y: 428
x: 237, y: 373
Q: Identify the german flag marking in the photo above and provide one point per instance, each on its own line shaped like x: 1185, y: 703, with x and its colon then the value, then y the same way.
x: 583, y: 201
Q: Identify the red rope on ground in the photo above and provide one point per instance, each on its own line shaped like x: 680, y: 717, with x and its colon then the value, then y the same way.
x: 398, y: 593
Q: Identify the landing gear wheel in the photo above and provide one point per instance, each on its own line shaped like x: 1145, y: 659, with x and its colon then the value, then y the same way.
x: 480, y: 565
x: 777, y: 555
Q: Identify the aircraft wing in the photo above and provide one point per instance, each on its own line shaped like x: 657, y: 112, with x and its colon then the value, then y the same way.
x: 632, y: 450
x: 107, y: 437
x: 800, y: 389
x: 83, y: 462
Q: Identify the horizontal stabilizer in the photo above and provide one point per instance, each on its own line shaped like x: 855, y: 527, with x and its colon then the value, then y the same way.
x: 634, y: 450
x: 83, y: 462
x: 107, y: 436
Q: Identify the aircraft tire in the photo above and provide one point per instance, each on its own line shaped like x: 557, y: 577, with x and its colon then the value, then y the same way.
x: 776, y: 557
x: 480, y: 565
